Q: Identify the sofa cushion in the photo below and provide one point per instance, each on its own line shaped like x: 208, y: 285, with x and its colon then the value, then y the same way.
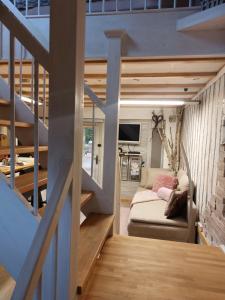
x: 144, y: 172
x: 152, y: 173
x: 152, y: 212
x: 144, y: 195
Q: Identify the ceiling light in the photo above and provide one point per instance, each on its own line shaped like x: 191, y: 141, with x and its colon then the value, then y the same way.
x: 153, y: 102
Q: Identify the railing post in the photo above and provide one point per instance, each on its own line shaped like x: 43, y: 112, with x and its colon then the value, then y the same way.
x: 111, y: 117
x: 159, y: 4
x: 36, y: 136
x: 93, y: 140
x: 12, y: 110
x: 44, y: 97
x: 1, y: 40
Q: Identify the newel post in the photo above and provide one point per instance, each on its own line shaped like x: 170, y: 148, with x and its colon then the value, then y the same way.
x: 67, y: 30
x: 111, y: 110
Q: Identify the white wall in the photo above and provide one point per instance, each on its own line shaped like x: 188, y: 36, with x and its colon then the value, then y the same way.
x: 149, y: 34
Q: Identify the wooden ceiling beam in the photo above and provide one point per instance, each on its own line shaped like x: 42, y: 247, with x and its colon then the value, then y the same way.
x: 133, y: 75
x: 127, y: 86
x: 137, y: 60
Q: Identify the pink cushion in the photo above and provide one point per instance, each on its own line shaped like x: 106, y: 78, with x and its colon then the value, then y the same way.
x: 164, y: 193
x: 167, y: 181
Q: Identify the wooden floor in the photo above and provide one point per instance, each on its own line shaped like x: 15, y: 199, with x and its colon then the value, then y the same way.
x: 7, y: 285
x: 143, y: 269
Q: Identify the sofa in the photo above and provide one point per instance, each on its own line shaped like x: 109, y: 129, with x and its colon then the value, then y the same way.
x: 147, y: 214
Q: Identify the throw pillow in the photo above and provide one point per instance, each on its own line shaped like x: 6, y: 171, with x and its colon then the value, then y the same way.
x: 164, y: 193
x: 153, y: 173
x: 176, y: 204
x: 167, y: 181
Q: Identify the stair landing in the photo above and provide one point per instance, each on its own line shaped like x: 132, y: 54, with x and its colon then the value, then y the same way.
x: 138, y: 268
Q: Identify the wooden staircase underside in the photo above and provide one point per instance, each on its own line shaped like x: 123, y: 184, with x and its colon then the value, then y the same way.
x: 138, y: 268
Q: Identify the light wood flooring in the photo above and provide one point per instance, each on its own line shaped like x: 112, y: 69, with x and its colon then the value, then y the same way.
x: 143, y: 269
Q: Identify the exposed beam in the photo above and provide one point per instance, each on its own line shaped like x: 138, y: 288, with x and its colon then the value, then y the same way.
x: 127, y: 86
x: 156, y: 75
x: 138, y: 60
x: 212, y: 81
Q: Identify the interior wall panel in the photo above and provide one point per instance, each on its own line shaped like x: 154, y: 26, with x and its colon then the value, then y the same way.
x: 201, y: 135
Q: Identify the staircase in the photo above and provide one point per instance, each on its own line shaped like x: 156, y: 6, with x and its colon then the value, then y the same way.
x: 25, y: 219
x: 94, y: 231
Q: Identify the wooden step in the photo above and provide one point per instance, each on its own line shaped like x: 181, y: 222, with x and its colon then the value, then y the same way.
x: 25, y: 183
x: 6, y: 123
x: 4, y: 102
x: 85, y: 198
x: 7, y: 285
x: 21, y: 150
x: 93, y: 234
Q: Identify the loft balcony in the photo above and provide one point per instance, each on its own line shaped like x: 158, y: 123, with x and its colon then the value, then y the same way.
x: 41, y: 7
x: 153, y: 27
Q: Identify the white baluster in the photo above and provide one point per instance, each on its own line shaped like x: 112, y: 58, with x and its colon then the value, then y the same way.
x: 44, y: 96
x: 36, y: 136
x: 93, y: 140
x: 159, y: 4
x: 12, y: 110
x: 26, y: 8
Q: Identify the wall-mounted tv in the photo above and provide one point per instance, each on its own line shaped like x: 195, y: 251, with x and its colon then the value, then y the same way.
x: 129, y: 133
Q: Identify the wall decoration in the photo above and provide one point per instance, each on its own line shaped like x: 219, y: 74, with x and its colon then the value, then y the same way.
x: 171, y: 144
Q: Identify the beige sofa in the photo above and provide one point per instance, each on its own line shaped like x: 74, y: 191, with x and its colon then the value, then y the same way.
x: 147, y: 218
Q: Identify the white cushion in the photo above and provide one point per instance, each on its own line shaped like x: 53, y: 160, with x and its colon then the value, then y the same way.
x: 153, y: 212
x: 183, y: 181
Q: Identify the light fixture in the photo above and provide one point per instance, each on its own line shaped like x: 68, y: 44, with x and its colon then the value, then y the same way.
x: 156, y: 102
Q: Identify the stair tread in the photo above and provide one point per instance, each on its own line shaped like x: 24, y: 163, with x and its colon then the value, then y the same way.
x: 25, y: 183
x: 93, y: 234
x: 21, y: 150
x: 85, y: 197
x: 17, y: 124
x: 4, y: 102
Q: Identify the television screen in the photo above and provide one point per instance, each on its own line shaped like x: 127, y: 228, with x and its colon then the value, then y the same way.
x: 129, y: 133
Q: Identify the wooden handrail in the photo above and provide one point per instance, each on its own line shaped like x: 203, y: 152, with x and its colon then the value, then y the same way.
x: 32, y: 268
x: 25, y: 32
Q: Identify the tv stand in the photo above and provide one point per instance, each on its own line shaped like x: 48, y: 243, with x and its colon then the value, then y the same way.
x: 130, y: 164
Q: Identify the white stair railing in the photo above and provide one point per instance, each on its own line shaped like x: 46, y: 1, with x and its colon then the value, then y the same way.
x: 39, y: 8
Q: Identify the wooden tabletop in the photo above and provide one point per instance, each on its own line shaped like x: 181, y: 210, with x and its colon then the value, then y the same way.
x: 144, y: 269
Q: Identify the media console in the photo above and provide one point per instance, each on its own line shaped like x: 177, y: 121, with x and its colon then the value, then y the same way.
x: 130, y: 164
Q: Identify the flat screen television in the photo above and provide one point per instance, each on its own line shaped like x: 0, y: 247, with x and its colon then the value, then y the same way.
x: 129, y: 133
